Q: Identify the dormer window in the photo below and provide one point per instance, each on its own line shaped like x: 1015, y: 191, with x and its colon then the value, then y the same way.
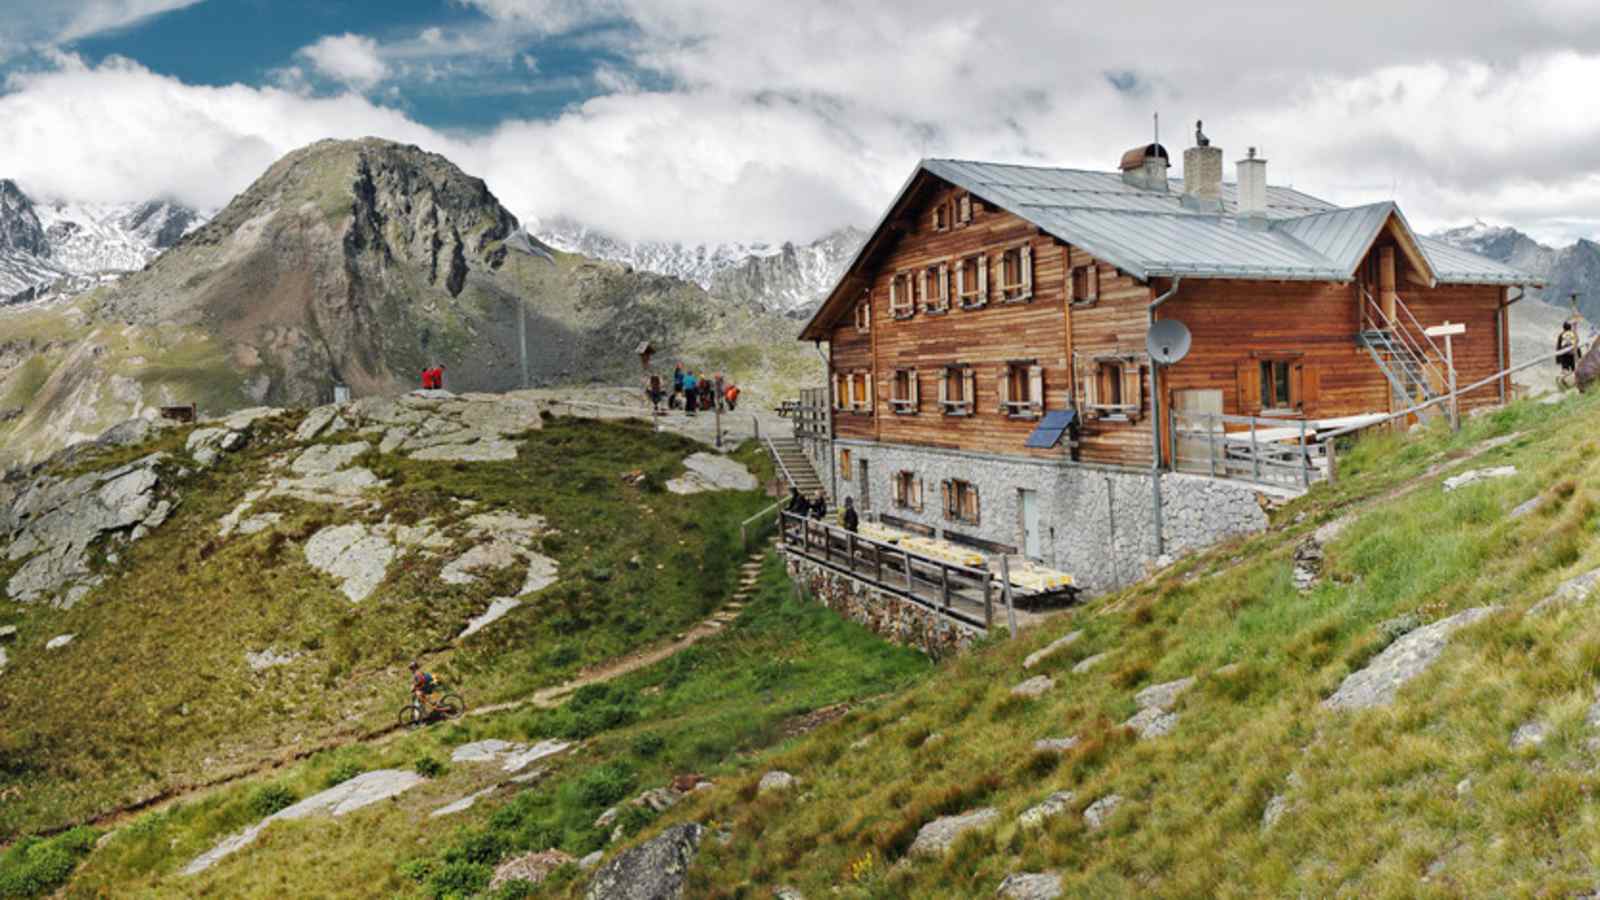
x: 864, y: 314
x: 1083, y: 284
x: 941, y: 216
x: 1016, y: 274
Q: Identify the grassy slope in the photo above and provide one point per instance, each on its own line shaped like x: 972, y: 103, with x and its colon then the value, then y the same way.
x: 703, y: 711
x: 1373, y: 799
x: 158, y: 663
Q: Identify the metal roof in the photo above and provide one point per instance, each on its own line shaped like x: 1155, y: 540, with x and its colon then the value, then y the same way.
x: 1152, y: 234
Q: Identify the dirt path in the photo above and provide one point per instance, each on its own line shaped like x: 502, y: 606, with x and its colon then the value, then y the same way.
x: 545, y: 698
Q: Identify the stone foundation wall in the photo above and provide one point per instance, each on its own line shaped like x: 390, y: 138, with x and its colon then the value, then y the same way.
x: 890, y: 617
x: 1096, y: 523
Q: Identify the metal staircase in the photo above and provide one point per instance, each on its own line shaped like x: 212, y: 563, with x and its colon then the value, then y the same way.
x: 1404, y: 353
x: 794, y: 465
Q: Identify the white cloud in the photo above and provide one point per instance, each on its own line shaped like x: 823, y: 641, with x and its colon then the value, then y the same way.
x: 350, y: 59
x: 42, y: 24
x: 781, y: 121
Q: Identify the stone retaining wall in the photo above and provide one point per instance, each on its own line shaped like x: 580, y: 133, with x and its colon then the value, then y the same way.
x: 890, y: 617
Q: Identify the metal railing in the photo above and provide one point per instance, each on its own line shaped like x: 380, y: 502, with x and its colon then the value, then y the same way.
x: 1409, y: 347
x: 1282, y: 452
x: 949, y: 589
x: 756, y: 528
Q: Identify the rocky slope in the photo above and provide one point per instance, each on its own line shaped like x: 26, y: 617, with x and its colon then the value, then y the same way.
x: 789, y: 278
x: 52, y: 250
x: 354, y: 263
x: 1565, y: 270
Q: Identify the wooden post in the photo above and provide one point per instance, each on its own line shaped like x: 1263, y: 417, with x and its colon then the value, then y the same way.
x: 988, y: 599
x: 1255, y: 452
x: 944, y: 585
x: 1305, y: 459
x: 911, y: 588
x: 1333, y: 466
x: 850, y: 549
x: 877, y: 562
x: 1455, y: 401
x: 1011, y: 611
x: 1211, y: 441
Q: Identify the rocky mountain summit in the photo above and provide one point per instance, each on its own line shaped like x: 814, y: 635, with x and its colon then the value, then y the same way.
x: 1574, y: 269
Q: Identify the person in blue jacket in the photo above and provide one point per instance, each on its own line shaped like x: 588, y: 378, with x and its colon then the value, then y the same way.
x: 689, y: 391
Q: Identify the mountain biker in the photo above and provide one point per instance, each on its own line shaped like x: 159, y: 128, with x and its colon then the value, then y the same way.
x: 422, y: 685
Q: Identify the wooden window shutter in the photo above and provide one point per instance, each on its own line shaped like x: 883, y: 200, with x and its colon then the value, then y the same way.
x: 912, y: 399
x: 866, y: 311
x: 922, y: 286
x: 1036, y: 389
x: 1311, y: 388
x: 1248, y: 381
x: 983, y: 279
x: 916, y: 495
x: 1027, y: 269
x: 969, y: 389
x: 944, y: 389
x: 1091, y: 390
x: 871, y: 397
x: 1297, y: 391
x: 944, y: 285
x: 944, y: 487
x: 1072, y: 276
x: 1130, y: 390
x: 961, y: 278
x: 1094, y: 282
x: 1003, y: 389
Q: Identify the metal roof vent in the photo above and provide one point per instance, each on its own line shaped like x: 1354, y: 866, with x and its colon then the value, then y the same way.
x: 1145, y: 167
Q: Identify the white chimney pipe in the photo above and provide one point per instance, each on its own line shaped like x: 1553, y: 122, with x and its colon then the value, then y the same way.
x: 1252, y: 187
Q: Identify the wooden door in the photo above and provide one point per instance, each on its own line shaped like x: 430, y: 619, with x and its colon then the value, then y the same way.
x: 1032, y: 546
x: 1197, y: 440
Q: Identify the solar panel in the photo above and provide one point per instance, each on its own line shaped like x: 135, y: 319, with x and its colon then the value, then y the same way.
x: 1049, y: 430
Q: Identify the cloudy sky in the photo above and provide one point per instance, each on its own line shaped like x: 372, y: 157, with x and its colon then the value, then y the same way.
x: 710, y: 120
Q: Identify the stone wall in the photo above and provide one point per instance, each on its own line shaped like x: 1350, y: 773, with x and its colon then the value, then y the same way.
x: 1096, y: 522
x: 890, y: 617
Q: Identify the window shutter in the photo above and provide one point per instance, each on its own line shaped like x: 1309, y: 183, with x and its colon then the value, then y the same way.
x: 1094, y: 282
x: 944, y: 389
x: 969, y: 390
x: 1311, y: 388
x: 1297, y: 392
x: 866, y: 312
x: 1003, y: 390
x: 943, y: 294
x: 961, y: 279
x: 1072, y: 277
x: 1248, y: 380
x: 944, y: 487
x: 1091, y: 390
x: 922, y: 286
x: 983, y: 280
x: 916, y: 494
x: 1036, y: 389
x: 894, y: 293
x: 1027, y: 270
x: 912, y: 400
x: 1130, y: 390
x: 871, y: 397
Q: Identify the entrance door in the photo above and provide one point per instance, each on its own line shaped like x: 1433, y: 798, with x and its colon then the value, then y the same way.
x: 1195, y: 434
x: 1031, y: 545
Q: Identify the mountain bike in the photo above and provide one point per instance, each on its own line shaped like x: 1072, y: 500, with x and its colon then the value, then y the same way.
x: 416, y: 714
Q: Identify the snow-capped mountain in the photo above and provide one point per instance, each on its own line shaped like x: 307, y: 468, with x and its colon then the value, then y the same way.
x: 1566, y: 270
x: 63, y: 248
x: 788, y: 278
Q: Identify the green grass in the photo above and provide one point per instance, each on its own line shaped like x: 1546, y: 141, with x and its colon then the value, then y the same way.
x: 158, y: 664
x: 714, y: 710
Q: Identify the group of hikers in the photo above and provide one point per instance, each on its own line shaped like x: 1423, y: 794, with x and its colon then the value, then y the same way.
x: 693, y: 391
x: 817, y: 507
x: 433, y: 378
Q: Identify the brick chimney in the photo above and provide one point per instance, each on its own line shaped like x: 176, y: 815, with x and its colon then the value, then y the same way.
x: 1252, y: 202
x: 1202, y: 174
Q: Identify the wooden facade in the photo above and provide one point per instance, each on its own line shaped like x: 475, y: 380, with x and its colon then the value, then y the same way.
x: 1077, y: 330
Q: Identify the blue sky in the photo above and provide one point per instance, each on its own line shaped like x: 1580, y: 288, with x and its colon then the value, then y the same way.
x: 772, y: 120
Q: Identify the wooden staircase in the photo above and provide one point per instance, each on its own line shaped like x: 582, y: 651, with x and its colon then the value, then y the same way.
x: 794, y: 466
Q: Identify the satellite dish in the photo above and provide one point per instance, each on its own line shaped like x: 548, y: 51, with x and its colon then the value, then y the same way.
x: 1168, y: 342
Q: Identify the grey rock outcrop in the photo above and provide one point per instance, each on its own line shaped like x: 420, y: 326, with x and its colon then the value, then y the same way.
x: 358, y: 558
x: 510, y: 757
x: 1155, y: 717
x: 1276, y: 807
x: 462, y: 805
x: 1034, y: 687
x: 53, y: 522
x: 1568, y: 593
x: 1052, y: 806
x: 710, y: 472
x: 1476, y: 475
x: 1055, y: 745
x: 1089, y: 663
x: 1400, y: 662
x: 775, y: 781
x: 1051, y: 649
x: 1030, y: 886
x: 937, y: 837
x: 1530, y: 734
x: 1099, y: 812
x: 654, y: 870
x: 533, y: 868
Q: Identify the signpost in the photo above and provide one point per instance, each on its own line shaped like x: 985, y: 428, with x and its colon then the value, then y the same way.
x: 1447, y: 331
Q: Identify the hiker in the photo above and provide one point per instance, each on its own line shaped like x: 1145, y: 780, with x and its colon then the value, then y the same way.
x: 422, y: 685
x: 653, y: 391
x: 731, y: 395
x: 690, y: 394
x: 819, y: 506
x: 851, y: 520
x: 1567, y: 348
x: 677, y: 386
x: 708, y: 394
x: 798, y: 504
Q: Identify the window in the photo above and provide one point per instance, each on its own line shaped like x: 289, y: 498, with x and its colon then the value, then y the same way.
x: 961, y: 502
x: 972, y: 281
x: 907, y: 491
x: 1021, y: 390
x: 1275, y: 385
x: 1083, y: 284
x: 1016, y: 274
x: 864, y: 314
x: 852, y: 391
x: 902, y: 303
x: 844, y: 464
x: 935, y: 288
x: 941, y: 216
x: 958, y: 388
x: 964, y: 209
x: 904, y: 401
x: 1112, y: 387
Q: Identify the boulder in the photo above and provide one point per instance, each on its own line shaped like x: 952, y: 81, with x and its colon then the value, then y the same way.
x: 1055, y: 745
x: 1568, y: 593
x: 1051, y: 649
x: 1400, y: 662
x: 462, y: 805
x: 268, y: 659
x: 314, y: 423
x: 59, y: 641
x: 1033, y: 687
x: 1030, y: 886
x: 3, y: 659
x: 1276, y: 807
x: 710, y: 472
x: 126, y: 434
x: 1099, y: 812
x: 1090, y: 663
x: 937, y: 837
x: 1162, y: 696
x: 1152, y: 722
x: 8, y: 633
x: 498, y: 608
x: 1531, y: 734
x: 530, y: 867
x: 1588, y: 367
x: 1477, y: 475
x: 592, y: 860
x: 1527, y: 507
x: 654, y: 870
x: 775, y: 781
x: 1053, y: 805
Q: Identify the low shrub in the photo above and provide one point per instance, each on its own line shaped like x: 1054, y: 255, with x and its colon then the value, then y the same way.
x: 341, y: 773
x: 460, y: 879
x: 429, y: 767
x: 271, y: 798
x: 34, y: 867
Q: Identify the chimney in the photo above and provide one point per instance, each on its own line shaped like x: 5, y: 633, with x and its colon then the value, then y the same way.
x: 1252, y: 190
x: 1145, y: 167
x: 1202, y: 174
